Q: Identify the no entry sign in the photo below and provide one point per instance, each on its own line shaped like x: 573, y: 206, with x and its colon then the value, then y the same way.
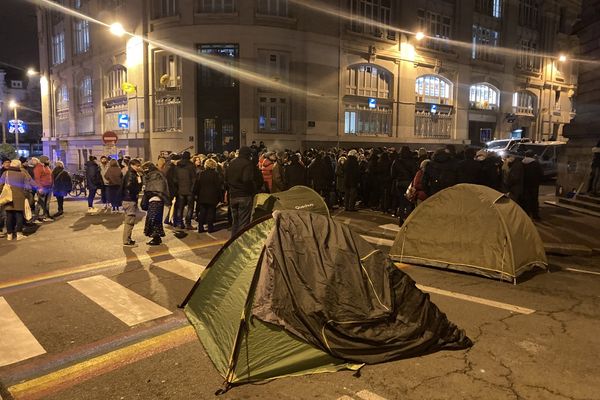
x: 110, y: 138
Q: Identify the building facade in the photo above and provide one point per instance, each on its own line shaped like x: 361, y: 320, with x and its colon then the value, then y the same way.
x: 216, y: 74
x: 584, y: 132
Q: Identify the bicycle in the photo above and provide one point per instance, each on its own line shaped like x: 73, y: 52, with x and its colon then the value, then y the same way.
x: 78, y: 187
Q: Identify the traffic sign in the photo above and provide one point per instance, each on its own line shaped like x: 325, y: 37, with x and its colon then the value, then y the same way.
x: 110, y: 138
x: 372, y: 103
x: 124, y: 121
x: 16, y: 126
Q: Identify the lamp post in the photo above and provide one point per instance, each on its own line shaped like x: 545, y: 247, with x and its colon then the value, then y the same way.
x: 3, y: 115
x: 13, y: 104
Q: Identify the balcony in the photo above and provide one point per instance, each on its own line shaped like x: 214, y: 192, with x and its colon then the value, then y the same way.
x: 523, y: 111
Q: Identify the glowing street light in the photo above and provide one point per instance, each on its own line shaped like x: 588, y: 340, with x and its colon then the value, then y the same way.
x: 117, y: 29
x: 419, y: 36
x: 13, y: 104
x: 31, y: 72
x: 562, y: 58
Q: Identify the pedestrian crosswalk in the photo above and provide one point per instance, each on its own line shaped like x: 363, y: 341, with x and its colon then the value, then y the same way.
x: 17, y: 343
x: 362, y: 395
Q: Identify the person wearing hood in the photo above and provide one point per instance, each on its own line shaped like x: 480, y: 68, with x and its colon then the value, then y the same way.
x: 156, y: 196
x: 184, y: 177
x: 532, y: 179
x: 20, y: 183
x: 243, y: 180
x: 440, y: 173
x: 295, y: 172
x: 208, y: 194
x: 43, y: 181
x: 93, y: 178
x: 62, y: 185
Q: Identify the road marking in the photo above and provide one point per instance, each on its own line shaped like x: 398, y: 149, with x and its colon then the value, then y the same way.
x: 345, y: 398
x: 187, y: 269
x: 583, y: 271
x: 366, y: 395
x: 62, y: 379
x: 491, y: 303
x: 114, y: 263
x: 16, y: 341
x: 390, y: 227
x: 378, y: 241
x: 125, y: 304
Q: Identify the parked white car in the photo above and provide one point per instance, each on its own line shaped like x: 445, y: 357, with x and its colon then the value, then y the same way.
x: 502, y: 146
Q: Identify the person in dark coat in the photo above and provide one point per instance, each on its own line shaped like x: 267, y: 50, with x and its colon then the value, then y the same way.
x: 532, y: 179
x: 130, y: 190
x: 295, y: 173
x: 469, y: 169
x: 351, y: 180
x: 62, y: 185
x: 594, y: 183
x: 243, y: 179
x: 279, y: 184
x: 156, y: 196
x: 208, y: 195
x: 384, y: 179
x: 403, y: 171
x: 320, y: 174
x: 440, y: 173
x: 184, y: 177
x: 512, y: 173
x: 490, y: 169
x: 93, y: 180
x: 169, y: 172
x: 114, y: 179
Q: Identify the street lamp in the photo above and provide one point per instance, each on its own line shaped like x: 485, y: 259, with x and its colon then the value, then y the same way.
x: 117, y: 29
x: 31, y: 72
x: 562, y: 58
x: 13, y: 104
x: 419, y: 36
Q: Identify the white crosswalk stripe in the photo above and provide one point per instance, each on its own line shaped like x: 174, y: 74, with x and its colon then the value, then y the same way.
x: 128, y: 306
x: 366, y: 395
x: 390, y: 227
x: 187, y: 269
x: 16, y: 341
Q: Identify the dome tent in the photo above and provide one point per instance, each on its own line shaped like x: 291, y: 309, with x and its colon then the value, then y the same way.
x: 296, y: 198
x: 261, y: 317
x: 471, y: 228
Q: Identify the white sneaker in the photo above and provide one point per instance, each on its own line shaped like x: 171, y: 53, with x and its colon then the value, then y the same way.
x: 20, y: 236
x: 9, y: 237
x: 92, y: 210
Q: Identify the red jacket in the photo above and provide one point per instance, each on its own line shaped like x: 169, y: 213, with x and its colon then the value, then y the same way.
x: 418, y: 185
x: 266, y: 168
x: 42, y: 174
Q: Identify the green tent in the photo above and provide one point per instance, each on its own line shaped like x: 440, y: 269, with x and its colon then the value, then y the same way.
x: 245, y: 349
x: 471, y: 228
x: 297, y: 198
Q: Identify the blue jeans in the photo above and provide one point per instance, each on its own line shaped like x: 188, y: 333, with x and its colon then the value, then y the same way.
x: 241, y: 210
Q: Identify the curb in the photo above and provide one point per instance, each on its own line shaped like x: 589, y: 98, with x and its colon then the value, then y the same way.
x: 567, y: 249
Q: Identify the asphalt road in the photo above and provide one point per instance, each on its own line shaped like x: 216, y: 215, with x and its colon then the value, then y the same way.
x: 536, y: 340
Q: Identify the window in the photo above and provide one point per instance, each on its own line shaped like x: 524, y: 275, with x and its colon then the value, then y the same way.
x: 16, y: 84
x: 360, y: 119
x: 164, y: 8
x: 228, y: 53
x: 58, y: 48
x: 215, y: 6
x: 85, y: 95
x: 433, y: 126
x: 484, y: 40
x: 114, y: 82
x: 273, y: 113
x: 524, y: 103
x: 433, y: 89
x: 274, y: 65
x: 167, y: 68
x: 277, y: 8
x: 368, y: 80
x: 81, y: 36
x: 62, y: 102
x: 484, y: 96
x: 493, y: 8
x: 528, y: 13
x: 368, y: 17
x: 528, y: 58
x: 435, y: 25
x: 167, y: 95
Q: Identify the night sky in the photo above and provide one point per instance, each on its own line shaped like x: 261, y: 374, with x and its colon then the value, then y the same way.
x: 18, y: 34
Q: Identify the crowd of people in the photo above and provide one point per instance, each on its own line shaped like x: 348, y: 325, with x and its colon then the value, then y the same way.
x: 183, y: 191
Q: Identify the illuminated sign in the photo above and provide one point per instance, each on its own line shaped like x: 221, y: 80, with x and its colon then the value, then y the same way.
x: 433, y: 108
x: 372, y: 103
x: 124, y: 121
x: 16, y: 126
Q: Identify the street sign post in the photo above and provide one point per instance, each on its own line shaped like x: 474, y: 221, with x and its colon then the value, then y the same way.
x: 110, y: 138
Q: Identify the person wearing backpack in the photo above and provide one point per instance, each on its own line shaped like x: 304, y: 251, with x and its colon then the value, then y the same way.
x: 440, y: 173
x: 61, y: 185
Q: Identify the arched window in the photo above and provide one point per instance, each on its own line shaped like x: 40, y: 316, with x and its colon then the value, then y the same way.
x: 368, y: 80
x: 85, y: 94
x: 433, y: 89
x: 524, y: 102
x: 62, y: 100
x: 115, y: 78
x: 484, y: 96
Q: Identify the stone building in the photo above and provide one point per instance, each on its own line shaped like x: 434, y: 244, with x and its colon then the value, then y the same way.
x: 298, y: 74
x: 584, y: 132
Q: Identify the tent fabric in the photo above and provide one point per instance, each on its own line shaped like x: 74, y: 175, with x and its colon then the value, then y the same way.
x: 471, y: 228
x: 296, y: 198
x: 326, y: 285
x: 242, y: 348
